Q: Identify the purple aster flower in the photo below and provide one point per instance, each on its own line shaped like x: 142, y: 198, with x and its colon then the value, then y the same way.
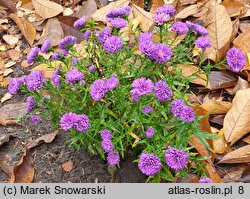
x: 86, y: 34
x: 80, y: 22
x: 103, y: 35
x: 177, y: 107
x: 82, y: 123
x: 113, y: 44
x: 34, y: 80
x: 145, y: 36
x: 204, y: 179
x: 143, y: 85
x: 106, y: 134
x: 190, y: 24
x: 14, y: 86
x: 118, y: 23
x: 55, y: 56
x: 176, y: 159
x: 98, y: 89
x: 74, y: 75
x: 113, y: 157
x: 35, y: 118
x: 92, y: 68
x: 162, y: 91
x: 161, y: 18
x: 180, y: 28
x: 64, y: 52
x: 200, y: 29
x: 160, y: 53
x: 33, y: 53
x: 66, y: 42
x: 107, y: 145
x: 55, y: 78
x: 149, y: 164
x: 236, y: 59
x: 187, y: 114
x: 112, y: 83
x: 147, y: 109
x: 118, y: 12
x: 146, y: 47
x: 74, y: 61
x: 68, y: 121
x: 150, y: 132
x: 202, y: 42
x: 30, y: 104
x: 167, y: 9
x: 46, y: 45
x: 135, y: 94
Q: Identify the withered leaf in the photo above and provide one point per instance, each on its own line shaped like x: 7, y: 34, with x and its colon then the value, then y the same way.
x: 240, y: 155
x: 46, y: 8
x: 88, y: 8
x: 221, y: 79
x: 219, y: 144
x: 234, y: 8
x: 8, y: 4
x: 234, y: 173
x: 10, y: 112
x: 67, y: 166
x: 245, y: 177
x: 217, y: 107
x: 188, y: 11
x: 25, y: 27
x: 48, y: 138
x: 236, y: 122
x: 24, y: 171
x: 212, y: 173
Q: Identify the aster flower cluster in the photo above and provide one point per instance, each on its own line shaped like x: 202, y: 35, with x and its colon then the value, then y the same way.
x: 100, y: 87
x: 180, y: 110
x: 73, y: 76
x: 155, y: 52
x: 15, y: 84
x: 202, y: 42
x: 67, y: 42
x: 80, y: 22
x: 115, y: 16
x: 163, y: 14
x: 113, y: 157
x: 142, y: 86
x: 30, y: 104
x: 150, y: 164
x: 197, y: 28
x: 70, y: 120
x: 35, y: 80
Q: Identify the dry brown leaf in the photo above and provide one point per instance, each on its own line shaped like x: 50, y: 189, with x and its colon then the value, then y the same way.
x: 24, y: 64
x: 6, y: 97
x: 10, y: 39
x: 218, y: 25
x: 52, y: 31
x: 147, y: 18
x: 9, y: 64
x: 221, y: 79
x: 100, y: 14
x: 188, y: 11
x: 4, y: 138
x: 234, y: 173
x: 14, y: 54
x: 155, y: 4
x: 46, y: 8
x: 10, y: 112
x: 88, y: 8
x: 217, y: 107
x: 24, y: 171
x: 240, y: 155
x: 188, y: 70
x: 67, y: 12
x: 186, y: 2
x: 8, y: 4
x: 244, y: 27
x: 234, y: 8
x: 236, y: 122
x: 26, y: 28
x: 212, y: 173
x: 205, y: 126
x: 67, y: 166
x: 48, y: 138
x: 47, y: 69
x: 241, y: 84
x: 219, y: 144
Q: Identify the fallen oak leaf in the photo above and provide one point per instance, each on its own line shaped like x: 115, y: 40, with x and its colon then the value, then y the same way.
x: 48, y: 138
